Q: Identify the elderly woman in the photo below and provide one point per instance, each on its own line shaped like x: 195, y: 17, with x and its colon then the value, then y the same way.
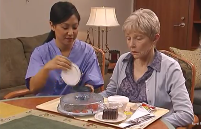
x: 146, y: 75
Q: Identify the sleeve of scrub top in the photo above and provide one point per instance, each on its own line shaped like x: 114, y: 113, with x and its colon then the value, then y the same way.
x: 35, y: 64
x: 93, y: 74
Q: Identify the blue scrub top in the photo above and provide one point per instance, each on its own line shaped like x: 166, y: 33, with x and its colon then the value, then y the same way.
x: 82, y: 54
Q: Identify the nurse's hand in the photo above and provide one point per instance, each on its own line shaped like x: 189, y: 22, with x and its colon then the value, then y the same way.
x: 92, y: 88
x: 59, y: 62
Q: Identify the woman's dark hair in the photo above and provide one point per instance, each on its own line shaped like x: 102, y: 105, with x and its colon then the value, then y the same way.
x: 60, y: 12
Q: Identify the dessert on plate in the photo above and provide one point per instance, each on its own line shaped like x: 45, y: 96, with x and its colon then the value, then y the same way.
x: 111, y: 110
x: 110, y: 113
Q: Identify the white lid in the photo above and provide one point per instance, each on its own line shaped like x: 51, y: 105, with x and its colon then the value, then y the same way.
x: 72, y: 76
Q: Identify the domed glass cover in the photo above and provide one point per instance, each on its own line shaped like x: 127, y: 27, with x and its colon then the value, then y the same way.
x: 80, y: 103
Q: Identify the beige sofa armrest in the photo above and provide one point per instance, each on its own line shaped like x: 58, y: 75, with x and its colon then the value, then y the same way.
x: 18, y: 93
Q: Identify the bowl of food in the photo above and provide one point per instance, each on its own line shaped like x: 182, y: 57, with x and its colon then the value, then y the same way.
x: 121, y: 99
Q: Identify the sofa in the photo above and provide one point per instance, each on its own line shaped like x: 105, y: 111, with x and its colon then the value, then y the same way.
x: 193, y: 56
x: 15, y: 54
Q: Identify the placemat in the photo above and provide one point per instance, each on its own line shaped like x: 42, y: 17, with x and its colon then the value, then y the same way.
x: 7, y: 110
x: 35, y: 119
x: 35, y: 122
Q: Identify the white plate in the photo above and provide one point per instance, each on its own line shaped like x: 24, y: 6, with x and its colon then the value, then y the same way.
x: 120, y: 118
x: 72, y: 76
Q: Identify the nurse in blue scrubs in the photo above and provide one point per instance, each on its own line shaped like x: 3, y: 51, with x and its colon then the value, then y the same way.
x: 59, y: 51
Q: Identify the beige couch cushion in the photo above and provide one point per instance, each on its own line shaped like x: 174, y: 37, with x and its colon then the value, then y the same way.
x: 195, y: 58
x: 30, y: 43
x: 13, y: 63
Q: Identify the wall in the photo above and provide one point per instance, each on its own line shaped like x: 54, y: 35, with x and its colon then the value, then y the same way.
x: 19, y: 18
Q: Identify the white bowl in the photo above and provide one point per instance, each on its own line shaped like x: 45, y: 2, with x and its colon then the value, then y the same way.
x: 121, y: 99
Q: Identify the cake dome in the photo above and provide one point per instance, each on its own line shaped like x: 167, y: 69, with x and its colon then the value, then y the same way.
x: 80, y: 103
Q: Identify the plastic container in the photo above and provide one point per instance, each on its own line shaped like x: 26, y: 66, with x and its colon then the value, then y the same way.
x: 112, y: 105
x: 121, y: 99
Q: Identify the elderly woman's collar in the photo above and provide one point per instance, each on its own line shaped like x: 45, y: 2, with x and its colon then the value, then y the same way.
x: 128, y: 57
x: 155, y: 64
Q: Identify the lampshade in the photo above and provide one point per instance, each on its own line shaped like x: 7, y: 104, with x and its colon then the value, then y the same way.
x: 102, y: 16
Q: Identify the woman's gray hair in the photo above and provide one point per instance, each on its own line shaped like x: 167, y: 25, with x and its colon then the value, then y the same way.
x: 144, y: 21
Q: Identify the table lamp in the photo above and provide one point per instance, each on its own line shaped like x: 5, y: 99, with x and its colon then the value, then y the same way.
x: 103, y: 17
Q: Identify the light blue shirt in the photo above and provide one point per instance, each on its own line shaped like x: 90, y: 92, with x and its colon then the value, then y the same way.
x: 82, y: 54
x: 165, y: 88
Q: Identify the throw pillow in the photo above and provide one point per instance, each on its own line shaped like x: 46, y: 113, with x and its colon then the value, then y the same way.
x: 193, y: 57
